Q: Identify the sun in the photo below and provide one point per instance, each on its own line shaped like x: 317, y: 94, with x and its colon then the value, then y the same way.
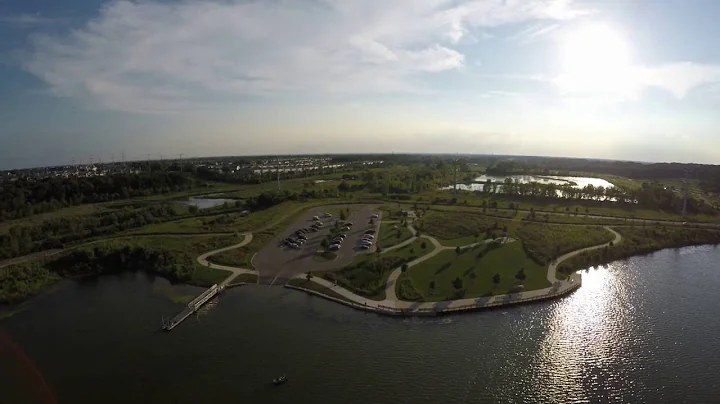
x: 595, y: 58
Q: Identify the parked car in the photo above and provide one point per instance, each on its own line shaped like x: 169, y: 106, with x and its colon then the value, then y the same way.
x: 364, y: 246
x: 337, y: 240
x: 316, y: 226
x: 343, y: 235
x: 294, y: 245
x: 345, y: 229
x: 375, y: 216
x: 333, y: 247
x: 314, y: 229
x: 315, y: 218
x: 368, y: 236
x: 302, y: 236
x: 365, y: 242
x: 369, y: 231
x: 348, y: 224
x: 328, y: 214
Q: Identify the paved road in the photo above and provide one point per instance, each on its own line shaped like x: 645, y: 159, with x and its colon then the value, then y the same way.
x: 276, y: 263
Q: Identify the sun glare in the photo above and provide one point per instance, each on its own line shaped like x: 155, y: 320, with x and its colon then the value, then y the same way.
x: 595, y: 59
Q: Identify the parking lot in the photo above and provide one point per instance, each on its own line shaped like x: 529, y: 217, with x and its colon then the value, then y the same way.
x: 277, y: 262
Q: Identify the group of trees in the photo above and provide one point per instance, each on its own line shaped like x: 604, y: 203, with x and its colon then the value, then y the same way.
x: 27, y: 196
x: 651, y: 196
x: 56, y: 232
x: 19, y: 281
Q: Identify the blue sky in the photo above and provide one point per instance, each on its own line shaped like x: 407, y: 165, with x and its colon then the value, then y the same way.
x: 635, y: 80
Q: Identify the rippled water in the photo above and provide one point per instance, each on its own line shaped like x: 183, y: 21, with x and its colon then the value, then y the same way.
x: 577, y: 182
x: 641, y: 330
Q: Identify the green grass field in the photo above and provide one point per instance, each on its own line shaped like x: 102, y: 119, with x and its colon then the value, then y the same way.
x: 367, y: 275
x: 476, y: 272
x: 392, y: 234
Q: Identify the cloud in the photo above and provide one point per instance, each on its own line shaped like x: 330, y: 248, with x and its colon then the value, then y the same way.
x: 626, y: 84
x: 25, y: 20
x: 533, y: 33
x: 160, y: 56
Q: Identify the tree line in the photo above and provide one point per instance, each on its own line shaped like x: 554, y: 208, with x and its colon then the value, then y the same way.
x: 28, y: 196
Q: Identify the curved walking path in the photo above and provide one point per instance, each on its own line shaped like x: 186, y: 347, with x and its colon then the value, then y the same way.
x: 552, y: 268
x: 393, y: 305
x: 202, y: 260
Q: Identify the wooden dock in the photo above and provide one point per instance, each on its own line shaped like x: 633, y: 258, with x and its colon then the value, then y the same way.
x: 193, y: 306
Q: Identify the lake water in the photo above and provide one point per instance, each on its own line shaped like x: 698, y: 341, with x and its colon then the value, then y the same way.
x: 641, y: 330
x: 576, y: 182
x: 205, y: 203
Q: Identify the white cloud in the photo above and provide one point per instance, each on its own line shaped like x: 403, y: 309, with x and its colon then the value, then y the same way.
x: 159, y: 56
x: 24, y: 20
x: 677, y: 78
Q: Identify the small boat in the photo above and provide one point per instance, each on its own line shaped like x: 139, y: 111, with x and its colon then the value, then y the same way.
x: 279, y: 380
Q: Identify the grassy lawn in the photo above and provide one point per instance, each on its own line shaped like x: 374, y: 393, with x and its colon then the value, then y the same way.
x: 476, y: 272
x: 304, y: 283
x: 204, y: 276
x: 392, y: 234
x: 367, y: 275
x: 246, y: 278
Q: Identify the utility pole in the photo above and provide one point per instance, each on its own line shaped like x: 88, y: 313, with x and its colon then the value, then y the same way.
x: 277, y: 169
x: 455, y: 161
x: 181, y: 165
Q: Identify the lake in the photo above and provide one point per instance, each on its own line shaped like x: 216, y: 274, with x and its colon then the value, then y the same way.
x: 639, y: 330
x: 205, y: 203
x: 576, y: 182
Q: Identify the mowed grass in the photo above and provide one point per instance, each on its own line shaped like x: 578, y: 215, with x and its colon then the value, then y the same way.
x: 368, y: 274
x: 476, y: 272
x: 392, y: 234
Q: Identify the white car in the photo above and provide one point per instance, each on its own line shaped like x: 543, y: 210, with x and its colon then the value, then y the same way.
x: 375, y: 216
x: 365, y: 242
x: 368, y: 236
x: 328, y: 214
x: 334, y: 247
x: 316, y: 218
x: 294, y: 245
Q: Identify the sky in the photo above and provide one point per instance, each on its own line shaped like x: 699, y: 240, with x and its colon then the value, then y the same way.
x: 631, y: 80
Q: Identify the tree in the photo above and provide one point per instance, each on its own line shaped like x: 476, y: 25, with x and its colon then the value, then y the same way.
x: 520, y: 275
x: 308, y: 276
x: 423, y: 245
x: 324, y: 243
x: 371, y: 222
x: 404, y: 268
x: 343, y: 215
x: 458, y: 250
x: 496, y: 279
x: 457, y: 283
x: 432, y: 284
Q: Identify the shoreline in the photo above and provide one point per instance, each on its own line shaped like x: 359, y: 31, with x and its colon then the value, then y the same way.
x: 498, y: 302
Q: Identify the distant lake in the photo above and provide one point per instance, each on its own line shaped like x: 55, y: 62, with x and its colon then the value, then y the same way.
x: 576, y: 182
x: 205, y: 203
